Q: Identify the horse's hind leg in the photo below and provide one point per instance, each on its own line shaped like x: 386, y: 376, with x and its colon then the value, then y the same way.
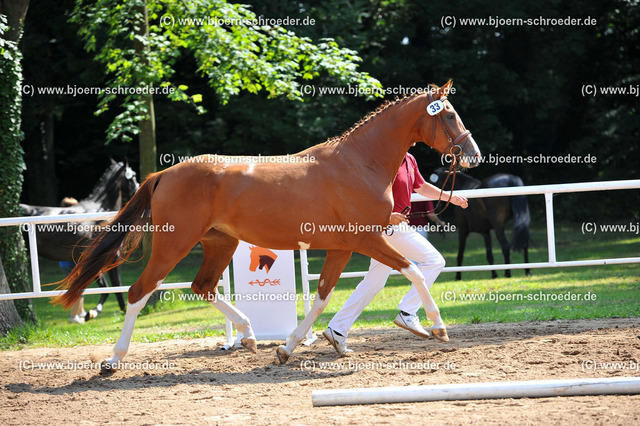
x: 218, y: 249
x: 116, y: 281
x: 489, y: 249
x: 462, y: 244
x: 167, y: 250
x: 333, y: 266
x: 504, y: 243
x: 92, y: 313
x: 380, y: 250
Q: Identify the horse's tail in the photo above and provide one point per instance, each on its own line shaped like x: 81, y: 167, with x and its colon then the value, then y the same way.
x: 99, y: 257
x: 521, y: 220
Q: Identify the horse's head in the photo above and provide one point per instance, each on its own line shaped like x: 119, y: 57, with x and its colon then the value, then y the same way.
x: 261, y: 257
x: 128, y: 182
x: 442, y: 129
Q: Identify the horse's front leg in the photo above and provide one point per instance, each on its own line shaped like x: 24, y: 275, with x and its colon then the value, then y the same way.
x: 333, y: 266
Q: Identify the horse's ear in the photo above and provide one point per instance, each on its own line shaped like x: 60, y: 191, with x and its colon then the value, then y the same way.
x: 113, y: 162
x: 446, y: 88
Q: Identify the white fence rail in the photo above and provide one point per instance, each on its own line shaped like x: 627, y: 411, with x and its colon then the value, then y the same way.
x: 548, y: 191
x: 28, y: 224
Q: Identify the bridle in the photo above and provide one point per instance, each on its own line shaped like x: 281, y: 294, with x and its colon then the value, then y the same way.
x: 435, y: 109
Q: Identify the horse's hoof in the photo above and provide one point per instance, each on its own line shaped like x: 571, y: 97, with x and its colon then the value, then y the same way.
x: 250, y: 344
x: 440, y: 334
x: 283, y: 355
x: 91, y: 315
x: 106, y: 368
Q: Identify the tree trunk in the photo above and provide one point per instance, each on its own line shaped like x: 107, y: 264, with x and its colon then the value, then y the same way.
x: 9, y: 317
x: 12, y: 248
x: 42, y: 182
x: 147, y: 137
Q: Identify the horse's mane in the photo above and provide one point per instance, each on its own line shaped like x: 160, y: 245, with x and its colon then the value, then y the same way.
x: 105, y: 180
x: 369, y: 117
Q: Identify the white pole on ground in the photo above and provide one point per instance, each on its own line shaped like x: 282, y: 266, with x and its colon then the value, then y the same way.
x: 488, y: 390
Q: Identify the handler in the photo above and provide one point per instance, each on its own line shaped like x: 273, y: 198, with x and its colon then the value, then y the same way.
x: 411, y: 245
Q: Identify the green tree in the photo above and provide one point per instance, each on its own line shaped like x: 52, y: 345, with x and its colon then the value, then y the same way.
x: 12, y: 249
x: 232, y: 58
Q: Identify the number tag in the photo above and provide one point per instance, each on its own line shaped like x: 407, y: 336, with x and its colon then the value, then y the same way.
x: 435, y: 107
x: 128, y: 173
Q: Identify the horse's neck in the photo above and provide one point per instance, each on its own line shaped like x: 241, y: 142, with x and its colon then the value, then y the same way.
x: 104, y: 197
x: 383, y: 142
x: 468, y: 182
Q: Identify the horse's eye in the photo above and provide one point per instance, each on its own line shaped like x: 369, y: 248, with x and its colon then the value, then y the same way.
x: 450, y: 116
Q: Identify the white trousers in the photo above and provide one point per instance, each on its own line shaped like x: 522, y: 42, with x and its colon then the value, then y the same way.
x: 411, y: 245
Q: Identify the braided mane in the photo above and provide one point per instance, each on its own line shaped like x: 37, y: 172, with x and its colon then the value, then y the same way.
x: 367, y: 118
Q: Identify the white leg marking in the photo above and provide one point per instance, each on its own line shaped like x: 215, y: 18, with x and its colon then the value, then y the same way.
x: 240, y: 320
x: 133, y: 309
x: 415, y: 276
x: 300, y: 332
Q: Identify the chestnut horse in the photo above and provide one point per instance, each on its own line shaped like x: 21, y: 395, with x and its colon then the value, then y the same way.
x: 277, y: 202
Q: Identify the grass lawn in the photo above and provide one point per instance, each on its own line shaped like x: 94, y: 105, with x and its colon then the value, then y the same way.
x: 610, y: 291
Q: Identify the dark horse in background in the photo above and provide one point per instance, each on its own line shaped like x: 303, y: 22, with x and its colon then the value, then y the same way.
x: 485, y: 214
x: 117, y: 182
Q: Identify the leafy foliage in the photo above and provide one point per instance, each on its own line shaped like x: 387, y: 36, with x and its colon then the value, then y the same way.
x: 12, y: 250
x: 241, y: 56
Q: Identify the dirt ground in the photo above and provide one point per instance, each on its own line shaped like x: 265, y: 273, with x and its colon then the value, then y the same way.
x: 194, y: 382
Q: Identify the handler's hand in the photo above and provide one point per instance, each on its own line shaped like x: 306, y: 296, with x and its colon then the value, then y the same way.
x: 397, y: 219
x: 459, y: 200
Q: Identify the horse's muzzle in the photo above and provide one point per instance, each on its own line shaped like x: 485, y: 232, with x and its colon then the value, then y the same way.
x: 470, y: 156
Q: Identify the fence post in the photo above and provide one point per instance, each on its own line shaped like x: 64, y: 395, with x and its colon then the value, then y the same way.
x: 33, y: 254
x: 551, y: 232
